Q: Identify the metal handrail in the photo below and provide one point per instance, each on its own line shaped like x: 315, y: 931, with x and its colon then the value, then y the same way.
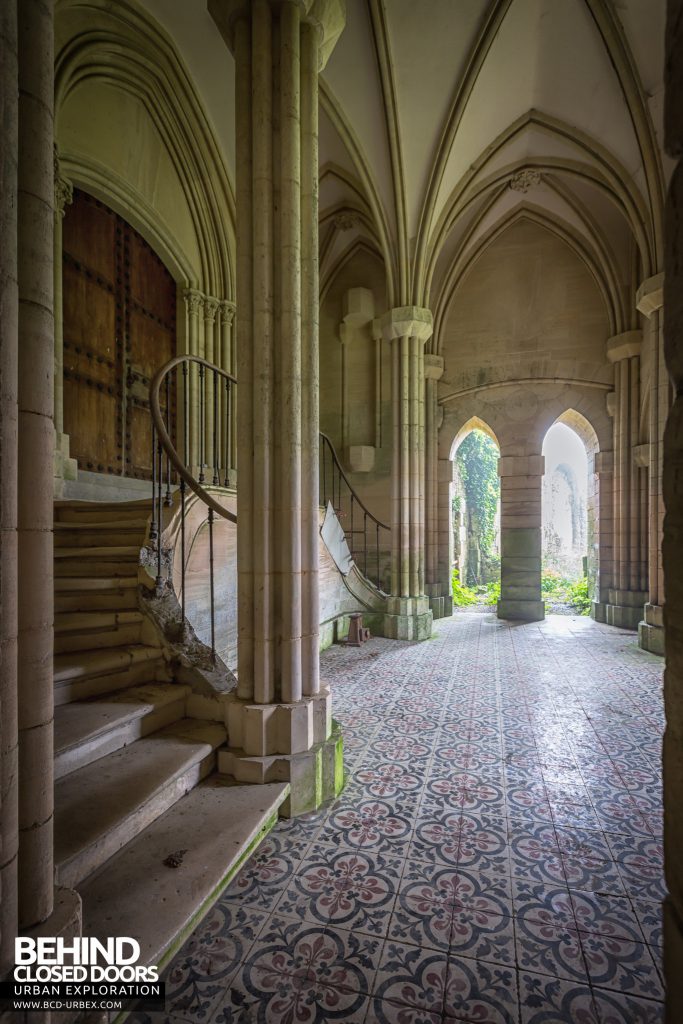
x: 218, y: 452
x: 165, y: 439
x: 338, y: 465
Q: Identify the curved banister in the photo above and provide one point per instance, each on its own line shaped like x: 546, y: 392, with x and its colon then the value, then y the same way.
x: 208, y: 405
x: 166, y: 441
x: 359, y: 501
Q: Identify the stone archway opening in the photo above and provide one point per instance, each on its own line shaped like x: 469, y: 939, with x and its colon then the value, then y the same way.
x: 475, y: 517
x: 570, y: 550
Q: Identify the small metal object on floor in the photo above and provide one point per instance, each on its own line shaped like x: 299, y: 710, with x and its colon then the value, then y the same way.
x: 358, y: 633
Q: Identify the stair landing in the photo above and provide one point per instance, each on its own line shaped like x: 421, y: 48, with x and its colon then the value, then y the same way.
x: 217, y: 825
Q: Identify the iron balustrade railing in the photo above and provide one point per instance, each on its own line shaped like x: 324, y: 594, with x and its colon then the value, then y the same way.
x: 366, y: 536
x: 204, y: 422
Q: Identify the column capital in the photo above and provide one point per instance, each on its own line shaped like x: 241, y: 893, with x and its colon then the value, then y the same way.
x: 624, y: 346
x: 210, y: 309
x: 434, y: 367
x: 650, y: 295
x: 194, y: 300
x: 410, y: 321
x: 327, y: 16
x: 226, y: 311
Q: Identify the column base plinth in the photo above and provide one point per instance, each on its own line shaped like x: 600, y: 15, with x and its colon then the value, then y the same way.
x: 65, y: 468
x: 315, y: 775
x: 520, y: 610
x: 408, y: 618
x: 437, y: 602
x: 624, y: 608
x: 599, y: 611
x: 651, y: 629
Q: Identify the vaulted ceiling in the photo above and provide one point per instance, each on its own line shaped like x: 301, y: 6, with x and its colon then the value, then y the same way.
x: 443, y: 121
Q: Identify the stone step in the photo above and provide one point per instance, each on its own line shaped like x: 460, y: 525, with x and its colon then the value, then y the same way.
x: 218, y: 825
x: 101, y: 512
x: 96, y: 561
x: 88, y: 730
x: 103, y: 806
x: 82, y: 674
x: 106, y: 534
x: 99, y: 593
x: 83, y: 631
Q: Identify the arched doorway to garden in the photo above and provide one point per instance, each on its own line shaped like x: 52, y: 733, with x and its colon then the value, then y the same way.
x: 475, y: 510
x: 570, y: 553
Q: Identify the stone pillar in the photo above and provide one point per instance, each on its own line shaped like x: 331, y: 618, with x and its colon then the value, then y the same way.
x: 673, y: 523
x: 57, y: 914
x: 408, y: 613
x: 649, y: 302
x: 212, y: 355
x: 194, y: 303
x: 279, y: 724
x: 227, y: 362
x: 603, y: 469
x: 9, y: 781
x: 521, y: 478
x: 434, y: 367
x: 626, y: 596
x: 445, y: 474
x: 36, y: 446
x: 65, y: 468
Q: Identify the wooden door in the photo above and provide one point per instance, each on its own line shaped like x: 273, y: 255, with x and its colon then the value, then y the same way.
x: 119, y: 328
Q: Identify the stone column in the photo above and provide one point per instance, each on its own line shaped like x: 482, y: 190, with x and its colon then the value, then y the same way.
x: 38, y: 906
x: 66, y: 468
x: 280, y: 723
x: 227, y: 362
x: 445, y: 471
x: 626, y: 596
x: 194, y: 303
x: 9, y: 781
x: 603, y: 469
x: 673, y: 523
x: 434, y: 367
x: 212, y: 355
x: 36, y: 446
x: 649, y: 302
x: 521, y: 478
x: 408, y: 613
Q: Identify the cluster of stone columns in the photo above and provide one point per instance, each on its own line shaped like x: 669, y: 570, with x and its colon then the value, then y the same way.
x: 628, y: 594
x: 649, y: 301
x: 409, y: 616
x: 209, y: 335
x: 440, y: 599
x: 280, y: 724
x: 26, y: 453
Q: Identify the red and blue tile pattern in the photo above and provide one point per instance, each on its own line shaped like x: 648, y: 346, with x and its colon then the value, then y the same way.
x: 496, y: 856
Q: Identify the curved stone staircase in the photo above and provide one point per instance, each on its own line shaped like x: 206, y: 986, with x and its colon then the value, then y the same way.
x: 135, y: 775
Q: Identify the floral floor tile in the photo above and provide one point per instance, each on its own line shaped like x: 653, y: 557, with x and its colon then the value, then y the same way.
x: 480, y: 991
x: 412, y: 976
x: 545, y: 1000
x: 622, y: 1008
x: 495, y: 856
x: 621, y: 964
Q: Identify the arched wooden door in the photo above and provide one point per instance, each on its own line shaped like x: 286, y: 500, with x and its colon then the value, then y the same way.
x: 119, y: 328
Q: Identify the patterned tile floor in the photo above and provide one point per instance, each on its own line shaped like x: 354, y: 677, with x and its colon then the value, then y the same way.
x: 495, y: 857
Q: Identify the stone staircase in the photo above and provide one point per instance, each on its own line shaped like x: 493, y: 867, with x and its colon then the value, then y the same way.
x: 135, y: 777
